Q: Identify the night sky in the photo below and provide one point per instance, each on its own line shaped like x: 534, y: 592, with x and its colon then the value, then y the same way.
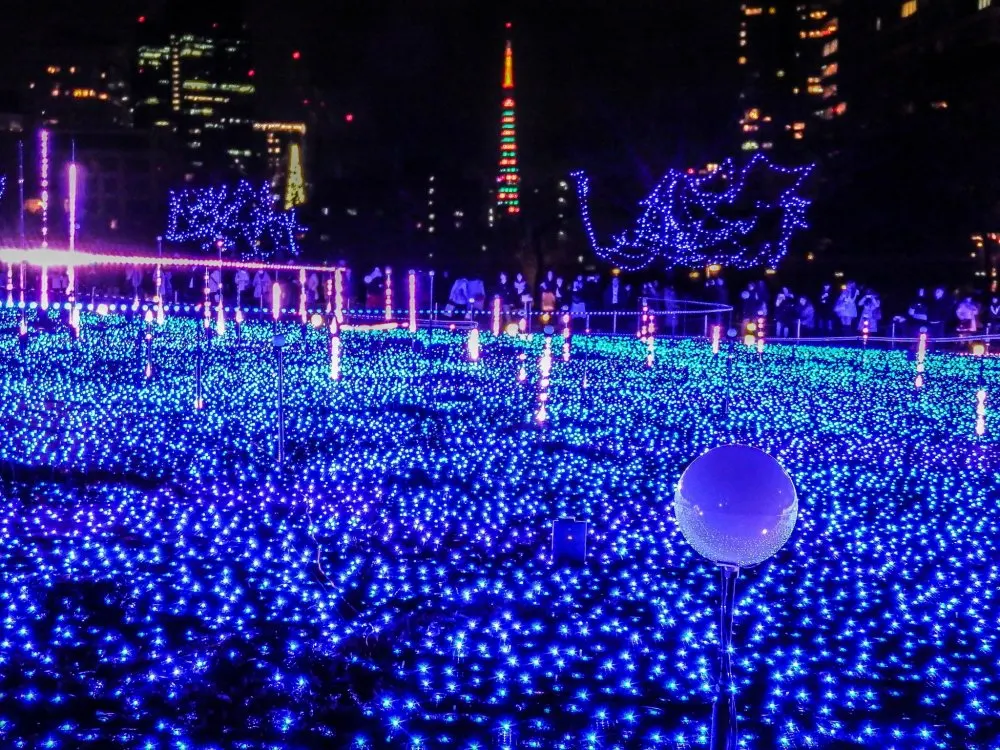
x: 631, y: 86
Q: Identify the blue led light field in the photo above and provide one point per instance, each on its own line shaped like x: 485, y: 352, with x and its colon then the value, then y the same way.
x: 165, y: 585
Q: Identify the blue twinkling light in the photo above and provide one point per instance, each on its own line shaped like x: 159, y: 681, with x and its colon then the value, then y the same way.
x: 164, y: 584
x: 726, y: 216
x: 243, y: 218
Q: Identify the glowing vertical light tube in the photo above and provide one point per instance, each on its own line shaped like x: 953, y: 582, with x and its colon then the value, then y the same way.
x: 44, y: 289
x: 220, y: 317
x: 329, y: 296
x: 760, y: 334
x: 921, y: 356
x: 544, y: 370
x: 412, y: 288
x: 43, y: 153
x: 302, y: 296
x: 338, y: 299
x: 148, y: 337
x: 716, y: 338
x: 160, y: 314
x: 207, y: 303
x: 73, y: 175
x: 496, y: 315
x: 334, y: 353
x: 276, y: 300
x: 981, y: 412
x: 864, y: 331
x: 10, y: 283
x: 473, y: 345
x: 388, y: 293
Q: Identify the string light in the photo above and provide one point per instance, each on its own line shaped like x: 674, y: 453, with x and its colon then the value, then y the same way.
x: 688, y: 220
x: 43, y: 137
x: 424, y: 561
x: 303, y: 313
x: 240, y: 218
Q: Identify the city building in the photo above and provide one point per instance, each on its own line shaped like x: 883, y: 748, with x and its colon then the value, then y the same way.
x: 919, y: 172
x: 73, y: 95
x: 284, y: 153
x: 789, y: 62
x: 124, y: 180
x: 12, y: 112
x: 197, y: 82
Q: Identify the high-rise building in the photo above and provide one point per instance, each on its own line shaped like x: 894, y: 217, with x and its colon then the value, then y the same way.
x: 72, y: 94
x: 284, y: 148
x: 920, y: 78
x: 197, y: 82
x: 788, y: 55
x: 509, y: 175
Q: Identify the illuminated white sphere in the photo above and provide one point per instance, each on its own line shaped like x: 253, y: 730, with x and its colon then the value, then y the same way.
x: 736, y: 505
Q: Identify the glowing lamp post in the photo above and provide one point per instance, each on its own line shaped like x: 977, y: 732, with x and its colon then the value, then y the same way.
x: 388, y: 294
x: 737, y: 507
x: 412, y: 288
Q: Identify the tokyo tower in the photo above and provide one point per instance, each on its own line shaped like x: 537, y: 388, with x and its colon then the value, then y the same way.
x: 509, y: 176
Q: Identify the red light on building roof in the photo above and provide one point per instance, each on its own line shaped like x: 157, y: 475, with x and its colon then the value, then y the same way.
x: 250, y: 73
x: 296, y: 55
x: 508, y: 25
x: 349, y: 117
x: 142, y: 19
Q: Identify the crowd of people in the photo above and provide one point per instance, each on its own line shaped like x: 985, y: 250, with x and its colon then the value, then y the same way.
x: 844, y: 309
x: 852, y: 310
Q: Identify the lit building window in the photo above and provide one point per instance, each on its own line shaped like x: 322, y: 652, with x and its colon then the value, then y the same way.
x: 909, y: 8
x: 984, y: 4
